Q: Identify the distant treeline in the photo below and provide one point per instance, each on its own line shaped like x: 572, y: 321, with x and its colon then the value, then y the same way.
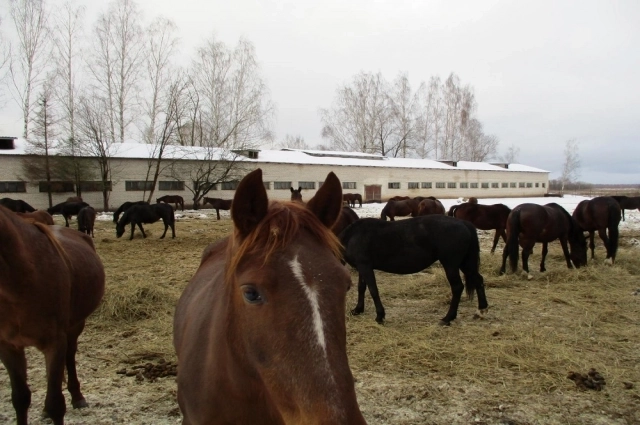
x: 592, y: 189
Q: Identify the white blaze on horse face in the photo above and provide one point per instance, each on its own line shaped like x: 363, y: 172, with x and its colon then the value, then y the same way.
x: 312, y: 295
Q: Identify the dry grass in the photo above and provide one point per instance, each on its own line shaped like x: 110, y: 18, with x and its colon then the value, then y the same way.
x: 510, y: 367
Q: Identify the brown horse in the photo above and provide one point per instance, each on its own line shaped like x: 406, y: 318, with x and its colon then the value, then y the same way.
x: 403, y: 208
x: 399, y: 198
x: 602, y: 214
x: 628, y: 203
x: 531, y: 223
x: 87, y: 220
x: 296, y: 194
x: 172, y: 199
x: 260, y: 329
x: 218, y: 204
x: 484, y: 217
x: 429, y: 206
x: 351, y: 199
x: 45, y: 306
x: 347, y: 216
x: 40, y: 216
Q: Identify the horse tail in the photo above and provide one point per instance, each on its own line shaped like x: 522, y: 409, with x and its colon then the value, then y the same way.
x: 452, y: 210
x: 513, y: 223
x: 472, y: 277
x: 614, y: 233
x: 383, y: 214
x: 44, y: 228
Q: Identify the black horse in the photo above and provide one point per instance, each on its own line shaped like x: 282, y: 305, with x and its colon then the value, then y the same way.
x: 409, y: 246
x: 218, y: 204
x: 628, y: 203
x: 122, y: 208
x: 138, y: 214
x: 87, y: 220
x: 67, y: 209
x: 16, y: 205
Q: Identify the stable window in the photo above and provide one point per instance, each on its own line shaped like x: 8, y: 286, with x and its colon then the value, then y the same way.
x: 494, y: 185
x: 267, y: 185
x: 137, y: 185
x: 451, y: 185
x: 512, y: 185
x: 94, y: 186
x: 521, y: 184
x: 464, y: 185
x: 440, y: 185
x: 281, y: 185
x: 537, y: 184
x: 485, y: 185
x: 413, y: 185
x: 59, y: 187
x: 529, y: 184
x: 307, y: 185
x: 473, y: 185
x: 505, y: 185
x: 229, y: 185
x: 13, y: 187
x: 426, y: 185
x: 544, y: 184
x: 394, y: 185
x: 174, y: 185
x: 348, y: 185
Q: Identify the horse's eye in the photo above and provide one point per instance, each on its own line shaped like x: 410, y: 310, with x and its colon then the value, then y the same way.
x: 251, y: 295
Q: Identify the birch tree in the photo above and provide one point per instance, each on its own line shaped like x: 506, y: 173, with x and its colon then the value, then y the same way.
x: 28, y: 62
x: 571, y: 164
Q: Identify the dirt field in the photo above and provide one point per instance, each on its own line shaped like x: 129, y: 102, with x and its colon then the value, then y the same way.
x: 510, y: 368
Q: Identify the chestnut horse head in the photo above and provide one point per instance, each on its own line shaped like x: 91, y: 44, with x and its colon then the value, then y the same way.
x: 260, y: 329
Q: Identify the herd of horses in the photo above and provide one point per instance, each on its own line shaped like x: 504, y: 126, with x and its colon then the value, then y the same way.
x: 263, y: 316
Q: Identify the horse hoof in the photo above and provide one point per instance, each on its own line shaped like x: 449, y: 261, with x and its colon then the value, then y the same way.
x: 380, y: 321
x: 608, y: 262
x: 529, y: 277
x: 479, y: 314
x: 80, y: 404
x: 356, y: 312
x: 443, y: 323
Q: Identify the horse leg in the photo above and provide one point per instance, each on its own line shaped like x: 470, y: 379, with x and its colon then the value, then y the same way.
x: 607, y: 244
x: 526, y: 252
x: 505, y: 254
x: 73, y: 385
x: 496, y: 237
x: 15, y: 362
x: 66, y: 220
x: 369, y: 279
x: 54, y: 404
x: 173, y: 230
x: 144, y: 235
x: 565, y: 251
x: 362, y: 288
x: 218, y: 213
x: 166, y: 226
x: 453, y: 276
x: 545, y: 250
x: 592, y: 244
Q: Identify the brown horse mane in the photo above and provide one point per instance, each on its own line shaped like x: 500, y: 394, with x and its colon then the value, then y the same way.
x: 44, y: 228
x: 277, y: 229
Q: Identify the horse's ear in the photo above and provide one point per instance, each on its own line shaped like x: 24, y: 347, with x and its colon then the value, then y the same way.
x: 250, y: 203
x: 299, y: 188
x: 327, y: 203
x: 291, y: 189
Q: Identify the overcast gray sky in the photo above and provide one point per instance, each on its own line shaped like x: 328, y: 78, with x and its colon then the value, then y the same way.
x: 543, y: 71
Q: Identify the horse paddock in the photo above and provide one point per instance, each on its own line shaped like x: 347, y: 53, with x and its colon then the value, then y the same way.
x: 511, y: 367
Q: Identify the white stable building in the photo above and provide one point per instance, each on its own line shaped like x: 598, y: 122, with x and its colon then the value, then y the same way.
x: 375, y: 177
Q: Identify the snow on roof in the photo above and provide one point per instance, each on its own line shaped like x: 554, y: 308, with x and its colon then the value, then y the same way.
x: 289, y: 156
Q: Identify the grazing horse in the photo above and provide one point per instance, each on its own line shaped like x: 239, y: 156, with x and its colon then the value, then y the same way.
x: 138, y: 214
x: 86, y: 220
x: 67, y: 209
x: 122, y: 208
x: 531, y: 223
x: 628, y: 203
x: 296, y: 195
x: 16, y: 205
x: 171, y: 199
x: 410, y: 246
x: 260, y: 330
x: 351, y: 198
x: 399, y: 198
x: 602, y: 214
x: 430, y: 205
x: 484, y: 217
x: 74, y: 199
x: 40, y: 216
x: 51, y: 280
x: 218, y: 204
x: 347, y: 216
x: 402, y: 208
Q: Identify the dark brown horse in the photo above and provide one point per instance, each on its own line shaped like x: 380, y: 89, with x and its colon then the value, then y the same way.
x: 138, y: 214
x: 347, y: 216
x: 351, y: 199
x: 531, y: 223
x: 484, y: 217
x: 16, y: 205
x: 600, y: 214
x: 399, y: 198
x: 260, y: 329
x: 628, y: 203
x: 87, y: 220
x: 430, y: 205
x: 218, y: 204
x: 67, y: 209
x: 296, y: 194
x: 40, y: 216
x: 45, y: 306
x: 171, y: 199
x: 403, y: 208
